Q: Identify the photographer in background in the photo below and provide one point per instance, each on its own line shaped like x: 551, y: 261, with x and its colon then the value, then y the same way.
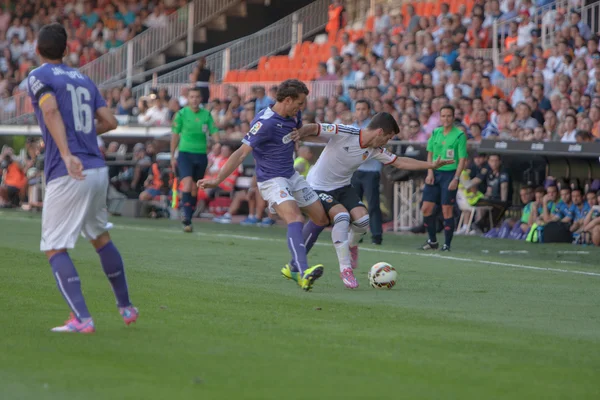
x: 14, y: 180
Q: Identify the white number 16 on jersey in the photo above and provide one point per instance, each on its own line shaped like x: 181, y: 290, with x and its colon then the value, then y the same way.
x: 82, y: 112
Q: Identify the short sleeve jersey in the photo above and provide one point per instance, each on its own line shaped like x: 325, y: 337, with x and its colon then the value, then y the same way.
x: 78, y: 99
x: 342, y: 156
x: 495, y: 181
x: 452, y: 146
x: 579, y: 213
x: 561, y: 210
x: 272, y: 144
x: 193, y: 129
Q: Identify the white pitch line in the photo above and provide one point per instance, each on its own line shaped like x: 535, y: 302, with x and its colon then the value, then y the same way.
x: 573, y: 252
x: 406, y: 253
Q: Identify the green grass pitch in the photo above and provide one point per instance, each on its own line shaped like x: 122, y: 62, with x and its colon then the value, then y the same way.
x: 492, y: 320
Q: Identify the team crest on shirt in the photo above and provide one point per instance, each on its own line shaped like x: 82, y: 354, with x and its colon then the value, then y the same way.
x: 365, y: 155
x: 328, y: 128
x: 197, y: 119
x: 282, y: 194
x: 255, y: 128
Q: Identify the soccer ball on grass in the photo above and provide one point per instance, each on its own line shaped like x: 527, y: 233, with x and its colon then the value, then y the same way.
x: 382, y: 276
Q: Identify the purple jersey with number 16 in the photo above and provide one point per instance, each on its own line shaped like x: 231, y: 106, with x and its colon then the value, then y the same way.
x: 78, y: 98
x: 272, y: 146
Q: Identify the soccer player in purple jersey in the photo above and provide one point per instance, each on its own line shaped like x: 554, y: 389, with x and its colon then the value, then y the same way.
x: 65, y: 103
x: 281, y: 186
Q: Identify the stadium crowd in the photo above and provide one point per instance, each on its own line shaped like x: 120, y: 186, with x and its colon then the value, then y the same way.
x: 94, y: 27
x: 411, y: 69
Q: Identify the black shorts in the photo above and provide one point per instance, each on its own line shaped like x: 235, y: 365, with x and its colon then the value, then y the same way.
x: 345, y: 196
x: 191, y: 165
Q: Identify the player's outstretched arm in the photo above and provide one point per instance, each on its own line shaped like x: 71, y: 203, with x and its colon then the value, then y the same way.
x: 56, y: 127
x: 414, y: 165
x: 306, y: 132
x: 232, y: 163
x: 106, y: 120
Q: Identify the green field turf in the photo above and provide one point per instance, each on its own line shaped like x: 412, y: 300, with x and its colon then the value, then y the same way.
x: 218, y: 322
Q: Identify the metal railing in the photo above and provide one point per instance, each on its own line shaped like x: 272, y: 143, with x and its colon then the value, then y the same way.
x: 245, y: 53
x: 221, y: 90
x: 590, y: 15
x: 543, y: 19
x: 119, y: 63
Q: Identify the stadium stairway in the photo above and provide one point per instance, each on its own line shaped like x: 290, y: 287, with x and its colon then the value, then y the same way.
x: 241, y: 20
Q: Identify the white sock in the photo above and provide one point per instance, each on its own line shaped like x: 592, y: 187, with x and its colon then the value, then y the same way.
x: 339, y: 236
x: 358, y: 229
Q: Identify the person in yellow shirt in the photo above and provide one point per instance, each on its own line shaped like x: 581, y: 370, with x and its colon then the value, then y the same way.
x: 302, y: 161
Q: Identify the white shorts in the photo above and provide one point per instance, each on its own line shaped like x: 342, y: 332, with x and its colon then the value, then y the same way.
x: 73, y: 207
x: 278, y: 190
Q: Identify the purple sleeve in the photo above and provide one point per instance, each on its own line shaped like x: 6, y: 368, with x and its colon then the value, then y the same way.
x: 38, y: 85
x: 258, y: 134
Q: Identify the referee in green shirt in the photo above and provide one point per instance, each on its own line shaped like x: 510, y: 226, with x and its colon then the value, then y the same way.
x: 447, y: 143
x: 191, y: 127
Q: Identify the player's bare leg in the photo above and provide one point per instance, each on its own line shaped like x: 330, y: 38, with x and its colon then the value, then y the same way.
x: 113, y: 267
x: 261, y: 206
x: 69, y: 285
x: 340, y: 237
x: 358, y: 229
x: 431, y: 225
x: 291, y: 214
x: 189, y: 188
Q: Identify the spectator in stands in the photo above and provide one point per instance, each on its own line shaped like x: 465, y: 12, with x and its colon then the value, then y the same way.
x: 570, y: 129
x: 157, y: 115
x: 261, y: 100
x: 337, y: 18
x: 202, y: 77
x: 14, y: 180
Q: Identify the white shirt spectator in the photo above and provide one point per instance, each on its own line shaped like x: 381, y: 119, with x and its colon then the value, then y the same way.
x: 29, y: 49
x: 517, y: 97
x: 105, y: 33
x: 349, y: 48
x: 155, y: 116
x: 569, y: 137
x: 157, y: 21
x: 16, y: 49
x: 524, y: 34
x: 20, y: 31
x: 555, y: 64
x: 382, y: 24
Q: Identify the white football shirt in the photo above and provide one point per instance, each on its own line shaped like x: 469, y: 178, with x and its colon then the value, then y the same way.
x: 342, y: 156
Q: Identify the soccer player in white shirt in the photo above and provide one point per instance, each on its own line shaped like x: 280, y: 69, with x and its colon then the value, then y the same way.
x: 347, y: 148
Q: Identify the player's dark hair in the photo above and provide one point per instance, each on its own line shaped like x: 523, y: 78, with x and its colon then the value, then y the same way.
x: 540, y: 189
x: 195, y: 89
x: 362, y: 101
x: 52, y: 41
x: 386, y: 122
x: 291, y: 88
x: 449, y: 107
